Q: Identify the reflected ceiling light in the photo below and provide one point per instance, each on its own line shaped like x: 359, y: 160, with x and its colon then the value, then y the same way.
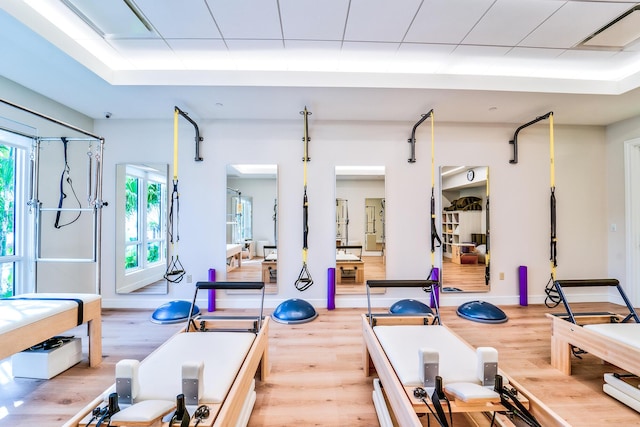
x: 453, y: 170
x: 619, y: 33
x: 256, y: 169
x: 359, y: 170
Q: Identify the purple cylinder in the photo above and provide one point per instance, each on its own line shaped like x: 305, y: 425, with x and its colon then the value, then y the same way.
x: 331, y: 288
x: 435, y: 295
x: 212, y: 292
x: 522, y: 276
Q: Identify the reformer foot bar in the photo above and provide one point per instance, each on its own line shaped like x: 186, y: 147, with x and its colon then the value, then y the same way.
x: 422, y: 366
x: 612, y: 337
x: 212, y: 363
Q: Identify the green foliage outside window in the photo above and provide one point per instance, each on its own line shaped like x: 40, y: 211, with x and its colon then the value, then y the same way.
x: 7, y: 217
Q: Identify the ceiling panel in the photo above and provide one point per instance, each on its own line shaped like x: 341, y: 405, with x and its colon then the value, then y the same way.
x: 180, y: 20
x: 202, y: 54
x: 564, y: 30
x: 380, y: 20
x: 439, y: 22
x: 515, y: 19
x: 247, y: 19
x: 148, y: 54
x: 313, y: 20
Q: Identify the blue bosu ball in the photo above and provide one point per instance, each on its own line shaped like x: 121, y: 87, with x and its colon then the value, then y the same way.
x: 173, y: 312
x: 481, y: 311
x: 294, y: 311
x: 410, y: 306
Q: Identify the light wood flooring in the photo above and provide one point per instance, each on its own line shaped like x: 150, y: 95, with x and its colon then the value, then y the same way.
x: 316, y: 376
x: 466, y: 277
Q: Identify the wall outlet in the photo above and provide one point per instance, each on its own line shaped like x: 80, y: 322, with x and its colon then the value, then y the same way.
x: 502, y: 275
x: 189, y: 278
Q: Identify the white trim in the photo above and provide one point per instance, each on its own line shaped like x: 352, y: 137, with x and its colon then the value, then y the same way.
x: 632, y: 217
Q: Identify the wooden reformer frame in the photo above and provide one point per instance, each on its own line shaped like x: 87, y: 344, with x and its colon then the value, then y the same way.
x: 405, y: 409
x: 254, y: 365
x: 26, y: 336
x: 567, y: 331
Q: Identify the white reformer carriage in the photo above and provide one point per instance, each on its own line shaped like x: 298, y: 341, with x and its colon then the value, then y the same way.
x: 415, y: 356
x: 204, y: 374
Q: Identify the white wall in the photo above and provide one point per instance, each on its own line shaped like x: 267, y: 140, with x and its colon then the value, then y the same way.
x: 519, y: 198
x: 589, y: 179
x: 614, y: 203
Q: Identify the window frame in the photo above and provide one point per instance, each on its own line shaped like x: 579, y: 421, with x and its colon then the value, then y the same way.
x: 23, y: 256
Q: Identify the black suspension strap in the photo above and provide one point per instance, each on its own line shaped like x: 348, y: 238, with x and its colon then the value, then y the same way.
x: 66, y: 177
x: 304, y: 280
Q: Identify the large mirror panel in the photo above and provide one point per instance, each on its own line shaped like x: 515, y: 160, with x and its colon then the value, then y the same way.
x: 252, y: 224
x: 465, y: 228
x: 141, y: 228
x: 360, y: 227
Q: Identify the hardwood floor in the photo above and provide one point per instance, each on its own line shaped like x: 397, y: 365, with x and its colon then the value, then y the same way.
x: 316, y: 376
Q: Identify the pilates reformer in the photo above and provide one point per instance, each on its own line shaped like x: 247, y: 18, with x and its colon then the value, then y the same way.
x: 612, y: 337
x: 204, y: 374
x: 426, y: 372
x: 350, y: 264
x: 29, y: 319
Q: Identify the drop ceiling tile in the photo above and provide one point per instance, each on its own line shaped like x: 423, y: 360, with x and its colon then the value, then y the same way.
x: 366, y: 56
x: 443, y: 21
x: 247, y: 19
x: 507, y: 22
x: 147, y: 54
x: 380, y: 20
x: 175, y: 20
x: 312, y: 55
x: 534, y: 53
x: 563, y: 29
x: 257, y: 54
x: 313, y: 20
x: 421, y: 58
x: 202, y: 54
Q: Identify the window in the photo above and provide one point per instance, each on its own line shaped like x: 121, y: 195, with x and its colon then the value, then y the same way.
x: 141, y: 225
x: 12, y: 214
x: 145, y: 241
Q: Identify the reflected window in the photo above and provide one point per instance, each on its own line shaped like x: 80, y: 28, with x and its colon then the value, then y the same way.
x: 145, y: 218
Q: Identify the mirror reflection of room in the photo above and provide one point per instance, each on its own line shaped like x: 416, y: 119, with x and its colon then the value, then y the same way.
x: 464, y: 228
x: 141, y: 228
x: 252, y: 224
x: 360, y: 227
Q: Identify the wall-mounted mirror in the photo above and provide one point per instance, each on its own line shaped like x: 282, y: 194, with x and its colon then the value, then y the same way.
x: 141, y: 228
x: 465, y: 228
x: 360, y: 227
x: 252, y: 224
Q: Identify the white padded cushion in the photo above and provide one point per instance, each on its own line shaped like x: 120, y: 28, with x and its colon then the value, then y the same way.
x: 402, y: 342
x: 622, y: 386
x: 221, y: 352
x: 16, y: 313
x: 128, y: 368
x: 470, y: 391
x: 345, y: 257
x: 143, y: 412
x: 622, y: 397
x: 627, y: 333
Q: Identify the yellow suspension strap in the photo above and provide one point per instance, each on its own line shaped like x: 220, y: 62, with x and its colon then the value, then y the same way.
x: 487, y: 269
x: 175, y: 271
x: 434, y: 273
x: 304, y: 280
x: 553, y: 298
